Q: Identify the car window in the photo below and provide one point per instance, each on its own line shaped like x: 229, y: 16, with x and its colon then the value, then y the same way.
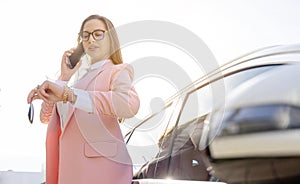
x: 201, y: 101
x: 142, y: 143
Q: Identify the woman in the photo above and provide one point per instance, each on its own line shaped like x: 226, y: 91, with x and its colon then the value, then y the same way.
x: 84, y: 142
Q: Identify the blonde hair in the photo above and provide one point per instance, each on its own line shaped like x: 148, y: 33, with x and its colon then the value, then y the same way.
x: 116, y: 55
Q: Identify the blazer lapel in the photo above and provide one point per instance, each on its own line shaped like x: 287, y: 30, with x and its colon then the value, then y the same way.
x: 83, y: 83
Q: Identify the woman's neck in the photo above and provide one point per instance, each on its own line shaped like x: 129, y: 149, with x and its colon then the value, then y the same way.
x: 97, y: 59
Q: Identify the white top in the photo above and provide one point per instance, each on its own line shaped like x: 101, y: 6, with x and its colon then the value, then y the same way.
x: 83, y: 100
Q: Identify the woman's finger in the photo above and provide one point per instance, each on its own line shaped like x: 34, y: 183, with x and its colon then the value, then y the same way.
x: 67, y: 54
x: 31, y: 94
x: 29, y: 97
x: 36, y: 97
x: 42, y: 91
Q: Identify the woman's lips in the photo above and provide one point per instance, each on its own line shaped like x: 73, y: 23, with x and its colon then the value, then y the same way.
x: 92, y: 47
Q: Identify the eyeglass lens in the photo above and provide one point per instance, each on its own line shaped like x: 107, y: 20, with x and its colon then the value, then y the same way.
x: 97, y: 35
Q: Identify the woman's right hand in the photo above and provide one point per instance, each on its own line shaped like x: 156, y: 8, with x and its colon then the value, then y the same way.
x: 66, y: 72
x: 48, y: 91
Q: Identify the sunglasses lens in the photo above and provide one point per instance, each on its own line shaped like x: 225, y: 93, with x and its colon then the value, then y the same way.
x: 31, y: 113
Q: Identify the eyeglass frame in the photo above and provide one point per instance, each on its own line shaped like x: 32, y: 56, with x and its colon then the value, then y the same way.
x: 92, y: 33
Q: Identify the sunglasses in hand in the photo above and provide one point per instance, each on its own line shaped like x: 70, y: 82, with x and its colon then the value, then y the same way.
x: 31, y: 113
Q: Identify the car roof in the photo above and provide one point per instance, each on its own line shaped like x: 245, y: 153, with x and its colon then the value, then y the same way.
x: 278, y: 54
x: 271, y: 55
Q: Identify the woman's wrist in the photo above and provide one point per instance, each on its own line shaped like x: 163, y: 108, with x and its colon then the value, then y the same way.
x: 64, y: 77
x: 72, y: 97
x: 68, y: 95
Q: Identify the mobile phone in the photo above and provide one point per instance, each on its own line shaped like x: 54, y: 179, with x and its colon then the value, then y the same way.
x: 76, y: 55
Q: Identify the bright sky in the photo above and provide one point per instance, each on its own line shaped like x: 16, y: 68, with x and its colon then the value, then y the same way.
x: 36, y: 33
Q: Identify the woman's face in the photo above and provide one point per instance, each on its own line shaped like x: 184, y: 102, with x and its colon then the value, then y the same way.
x: 96, y: 42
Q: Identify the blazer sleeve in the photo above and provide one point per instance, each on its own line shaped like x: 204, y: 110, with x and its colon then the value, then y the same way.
x: 122, y: 99
x: 47, y: 107
x: 46, y: 111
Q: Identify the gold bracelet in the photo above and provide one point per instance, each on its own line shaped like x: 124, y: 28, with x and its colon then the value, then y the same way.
x: 66, y: 93
x: 72, y: 100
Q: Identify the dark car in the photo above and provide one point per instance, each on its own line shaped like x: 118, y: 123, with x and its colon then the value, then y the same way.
x: 184, y: 135
x: 185, y: 161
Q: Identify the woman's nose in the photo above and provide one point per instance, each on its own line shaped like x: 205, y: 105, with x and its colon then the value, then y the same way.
x: 91, y: 39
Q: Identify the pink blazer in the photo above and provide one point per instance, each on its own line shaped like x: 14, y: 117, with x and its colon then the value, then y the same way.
x: 90, y: 149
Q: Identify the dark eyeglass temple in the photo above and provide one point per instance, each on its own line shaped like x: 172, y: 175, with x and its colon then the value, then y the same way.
x: 31, y: 113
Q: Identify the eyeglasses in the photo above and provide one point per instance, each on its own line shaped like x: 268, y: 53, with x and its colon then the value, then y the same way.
x: 31, y: 113
x: 97, y: 34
